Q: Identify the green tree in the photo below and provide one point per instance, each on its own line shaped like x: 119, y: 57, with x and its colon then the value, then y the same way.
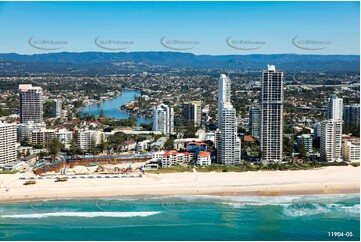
x: 54, y: 148
x: 303, y: 151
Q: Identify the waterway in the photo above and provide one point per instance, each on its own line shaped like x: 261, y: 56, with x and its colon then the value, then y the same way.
x: 110, y: 107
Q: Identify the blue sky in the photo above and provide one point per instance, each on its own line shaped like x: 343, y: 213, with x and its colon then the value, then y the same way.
x: 262, y: 27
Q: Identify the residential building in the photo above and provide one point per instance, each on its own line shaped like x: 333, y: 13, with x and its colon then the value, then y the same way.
x: 192, y: 113
x: 331, y: 130
x: 203, y: 159
x: 272, y: 114
x: 351, y: 150
x: 170, y: 158
x: 31, y: 103
x: 24, y: 130
x: 331, y: 133
x: 7, y: 143
x: 224, y: 95
x: 128, y: 145
x: 228, y: 144
x: 255, y: 121
x: 142, y: 146
x: 65, y: 137
x: 334, y: 108
x: 306, y: 140
x: 163, y: 119
x: 56, y: 108
x: 87, y: 139
x: 351, y: 115
x: 42, y: 136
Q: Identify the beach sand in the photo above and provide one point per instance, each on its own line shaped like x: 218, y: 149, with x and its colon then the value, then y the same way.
x: 327, y: 180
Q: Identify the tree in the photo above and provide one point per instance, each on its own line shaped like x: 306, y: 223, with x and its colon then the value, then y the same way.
x: 54, y: 148
x: 303, y: 151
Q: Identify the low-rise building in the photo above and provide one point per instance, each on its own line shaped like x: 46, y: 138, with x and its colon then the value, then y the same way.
x: 351, y: 150
x: 203, y: 159
x: 128, y: 145
x: 42, y: 136
x: 142, y: 145
x: 173, y: 157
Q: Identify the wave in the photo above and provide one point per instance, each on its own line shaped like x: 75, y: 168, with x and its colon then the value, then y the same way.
x: 335, y: 210
x: 266, y: 200
x: 83, y: 214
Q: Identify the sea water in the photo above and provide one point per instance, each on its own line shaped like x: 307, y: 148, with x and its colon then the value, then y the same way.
x: 307, y: 217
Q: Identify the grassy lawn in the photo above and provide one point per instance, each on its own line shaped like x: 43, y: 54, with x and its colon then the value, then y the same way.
x: 243, y: 167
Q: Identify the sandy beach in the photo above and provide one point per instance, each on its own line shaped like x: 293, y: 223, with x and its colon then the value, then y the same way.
x: 327, y: 180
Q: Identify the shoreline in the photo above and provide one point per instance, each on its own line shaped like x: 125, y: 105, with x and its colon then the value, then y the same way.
x: 328, y: 180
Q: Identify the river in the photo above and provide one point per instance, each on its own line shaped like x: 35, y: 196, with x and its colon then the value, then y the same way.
x: 110, y: 107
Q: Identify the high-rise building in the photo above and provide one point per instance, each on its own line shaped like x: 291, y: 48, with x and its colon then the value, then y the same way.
x: 31, y: 103
x: 331, y: 137
x: 87, y: 139
x: 192, y: 113
x: 331, y: 130
x: 224, y: 95
x: 255, y: 121
x: 42, y: 136
x: 163, y: 119
x: 56, y: 108
x: 227, y: 141
x: 306, y: 140
x: 351, y: 115
x: 228, y: 145
x: 7, y: 143
x: 334, y: 108
x: 272, y: 114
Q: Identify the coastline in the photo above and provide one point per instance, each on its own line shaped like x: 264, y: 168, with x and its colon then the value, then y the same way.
x: 328, y: 180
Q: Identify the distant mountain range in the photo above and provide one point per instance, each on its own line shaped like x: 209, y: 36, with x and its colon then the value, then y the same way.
x: 287, y: 62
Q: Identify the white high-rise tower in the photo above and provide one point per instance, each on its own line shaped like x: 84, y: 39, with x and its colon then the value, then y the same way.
x: 228, y: 142
x: 7, y: 143
x: 163, y: 119
x: 331, y: 130
x: 224, y: 95
x: 272, y: 114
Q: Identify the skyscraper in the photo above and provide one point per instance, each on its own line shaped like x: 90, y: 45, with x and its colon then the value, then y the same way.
x: 31, y: 103
x: 272, y: 114
x: 163, y: 119
x: 228, y: 143
x: 331, y: 130
x: 224, y: 95
x: 331, y: 140
x: 334, y: 108
x: 7, y: 143
x: 351, y: 115
x: 255, y: 121
x: 56, y: 108
x: 192, y: 113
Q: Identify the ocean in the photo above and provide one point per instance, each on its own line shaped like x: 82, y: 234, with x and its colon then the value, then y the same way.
x: 307, y: 217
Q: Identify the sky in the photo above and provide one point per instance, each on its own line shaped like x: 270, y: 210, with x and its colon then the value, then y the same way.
x: 213, y: 28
